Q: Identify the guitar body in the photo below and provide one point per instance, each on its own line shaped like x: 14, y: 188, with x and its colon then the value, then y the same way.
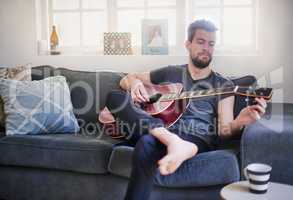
x: 168, y: 111
x: 172, y: 112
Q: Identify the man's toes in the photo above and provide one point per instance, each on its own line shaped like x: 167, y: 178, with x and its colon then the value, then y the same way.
x: 165, y: 160
x: 172, y: 167
x: 163, y: 170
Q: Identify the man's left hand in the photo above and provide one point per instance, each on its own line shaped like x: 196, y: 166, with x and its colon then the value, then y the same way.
x: 252, y: 113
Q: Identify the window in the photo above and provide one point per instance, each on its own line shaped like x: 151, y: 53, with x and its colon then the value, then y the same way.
x: 131, y: 12
x: 81, y: 23
x: 236, y: 21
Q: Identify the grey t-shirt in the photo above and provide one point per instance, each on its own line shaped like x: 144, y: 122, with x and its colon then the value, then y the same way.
x: 200, y: 116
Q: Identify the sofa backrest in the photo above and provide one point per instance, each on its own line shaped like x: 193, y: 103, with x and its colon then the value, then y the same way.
x: 88, y: 90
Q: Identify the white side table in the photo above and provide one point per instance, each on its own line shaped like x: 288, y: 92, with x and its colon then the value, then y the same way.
x: 240, y: 191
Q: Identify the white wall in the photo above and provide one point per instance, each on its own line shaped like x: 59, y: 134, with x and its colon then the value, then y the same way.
x: 18, y: 45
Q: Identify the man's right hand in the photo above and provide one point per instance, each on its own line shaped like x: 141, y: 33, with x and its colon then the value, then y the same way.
x: 138, y: 92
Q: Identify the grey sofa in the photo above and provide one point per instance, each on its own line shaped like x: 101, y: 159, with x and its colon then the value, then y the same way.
x: 90, y: 165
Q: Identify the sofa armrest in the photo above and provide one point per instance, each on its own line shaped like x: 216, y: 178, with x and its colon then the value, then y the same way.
x: 270, y: 142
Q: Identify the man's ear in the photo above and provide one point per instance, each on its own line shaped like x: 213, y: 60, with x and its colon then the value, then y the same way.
x: 187, y: 44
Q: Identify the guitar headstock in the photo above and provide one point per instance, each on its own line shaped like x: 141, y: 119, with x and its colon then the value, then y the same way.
x: 260, y: 92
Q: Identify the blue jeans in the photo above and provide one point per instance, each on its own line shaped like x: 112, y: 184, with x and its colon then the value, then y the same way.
x: 148, y: 150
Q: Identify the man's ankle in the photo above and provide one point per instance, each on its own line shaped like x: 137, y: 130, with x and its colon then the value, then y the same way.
x: 164, y: 135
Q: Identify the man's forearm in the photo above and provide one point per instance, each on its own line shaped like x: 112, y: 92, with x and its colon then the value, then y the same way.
x: 131, y: 79
x: 231, y: 129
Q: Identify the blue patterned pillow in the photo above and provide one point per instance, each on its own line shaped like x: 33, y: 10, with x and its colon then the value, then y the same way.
x: 38, y: 107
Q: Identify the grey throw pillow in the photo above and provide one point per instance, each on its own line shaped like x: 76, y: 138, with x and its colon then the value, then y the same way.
x: 21, y: 73
x: 38, y: 107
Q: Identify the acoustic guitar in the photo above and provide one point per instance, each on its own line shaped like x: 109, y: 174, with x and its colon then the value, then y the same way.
x: 168, y: 102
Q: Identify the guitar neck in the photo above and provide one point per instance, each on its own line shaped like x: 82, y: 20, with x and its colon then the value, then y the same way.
x: 199, y: 94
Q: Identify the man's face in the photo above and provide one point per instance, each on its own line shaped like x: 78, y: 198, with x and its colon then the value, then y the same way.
x: 201, y: 48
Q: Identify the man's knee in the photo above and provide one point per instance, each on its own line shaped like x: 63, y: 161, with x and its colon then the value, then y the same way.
x: 116, y: 94
x: 115, y: 98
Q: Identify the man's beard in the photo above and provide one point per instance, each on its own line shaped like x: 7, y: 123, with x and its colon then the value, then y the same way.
x: 200, y: 63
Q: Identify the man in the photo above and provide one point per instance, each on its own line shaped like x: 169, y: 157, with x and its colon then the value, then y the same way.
x: 160, y: 150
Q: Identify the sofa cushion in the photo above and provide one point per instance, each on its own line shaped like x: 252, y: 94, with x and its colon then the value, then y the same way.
x: 209, y: 168
x: 21, y: 73
x: 57, y: 151
x: 37, y: 107
x: 121, y: 161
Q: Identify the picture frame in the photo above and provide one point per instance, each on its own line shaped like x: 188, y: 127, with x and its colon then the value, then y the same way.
x: 155, y: 37
x: 117, y: 43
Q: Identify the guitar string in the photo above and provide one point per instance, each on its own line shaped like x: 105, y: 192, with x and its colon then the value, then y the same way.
x: 208, y: 92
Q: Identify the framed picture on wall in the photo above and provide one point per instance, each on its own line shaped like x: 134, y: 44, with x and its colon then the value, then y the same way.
x: 155, y: 36
x: 117, y: 43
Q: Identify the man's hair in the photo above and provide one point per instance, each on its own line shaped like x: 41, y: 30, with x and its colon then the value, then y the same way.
x: 200, y: 24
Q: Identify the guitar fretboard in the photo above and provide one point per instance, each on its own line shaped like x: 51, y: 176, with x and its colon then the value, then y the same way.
x: 198, y: 93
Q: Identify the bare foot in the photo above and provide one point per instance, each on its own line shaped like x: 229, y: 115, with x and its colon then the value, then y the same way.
x: 178, y: 150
